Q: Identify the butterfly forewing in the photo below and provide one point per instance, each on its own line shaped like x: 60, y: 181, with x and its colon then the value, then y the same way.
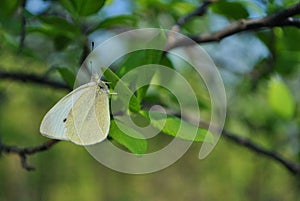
x: 53, y: 124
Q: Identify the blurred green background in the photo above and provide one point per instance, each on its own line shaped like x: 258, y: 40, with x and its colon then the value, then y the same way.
x: 261, y: 76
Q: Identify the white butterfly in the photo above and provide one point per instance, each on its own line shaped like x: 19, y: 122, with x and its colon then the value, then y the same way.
x: 82, y: 116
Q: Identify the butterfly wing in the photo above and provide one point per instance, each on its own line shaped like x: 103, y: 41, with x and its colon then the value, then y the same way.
x: 88, y: 122
x: 53, y: 124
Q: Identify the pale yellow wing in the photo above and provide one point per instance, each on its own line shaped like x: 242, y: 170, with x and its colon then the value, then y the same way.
x: 88, y: 122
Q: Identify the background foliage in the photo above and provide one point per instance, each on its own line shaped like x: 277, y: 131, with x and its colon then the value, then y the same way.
x: 260, y: 71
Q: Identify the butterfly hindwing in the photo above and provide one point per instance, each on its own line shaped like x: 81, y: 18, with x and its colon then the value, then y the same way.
x: 88, y: 121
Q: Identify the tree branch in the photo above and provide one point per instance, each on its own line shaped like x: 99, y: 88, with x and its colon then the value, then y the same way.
x: 291, y: 166
x: 24, y: 152
x: 280, y: 19
x: 25, y: 77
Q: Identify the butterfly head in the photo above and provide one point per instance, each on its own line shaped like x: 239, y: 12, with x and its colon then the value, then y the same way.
x: 100, y: 83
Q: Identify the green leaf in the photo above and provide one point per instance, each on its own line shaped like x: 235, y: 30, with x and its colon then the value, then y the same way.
x: 231, y: 10
x: 143, y: 57
x: 82, y: 7
x: 182, y: 8
x: 274, y: 6
x: 123, y: 91
x: 8, y: 7
x: 286, y: 39
x: 67, y: 75
x: 55, y: 26
x: 139, y: 58
x: 280, y: 98
x: 61, y: 42
x: 59, y: 26
x: 287, y: 62
x: 135, y: 145
x: 120, y: 20
x: 177, y: 127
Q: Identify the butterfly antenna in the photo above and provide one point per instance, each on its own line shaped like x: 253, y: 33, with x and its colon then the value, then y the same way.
x: 93, y: 45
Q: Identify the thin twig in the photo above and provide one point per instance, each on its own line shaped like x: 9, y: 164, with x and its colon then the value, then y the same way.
x: 23, y: 26
x: 24, y: 152
x: 199, y: 11
x: 26, y: 77
x: 280, y: 19
x: 291, y: 166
